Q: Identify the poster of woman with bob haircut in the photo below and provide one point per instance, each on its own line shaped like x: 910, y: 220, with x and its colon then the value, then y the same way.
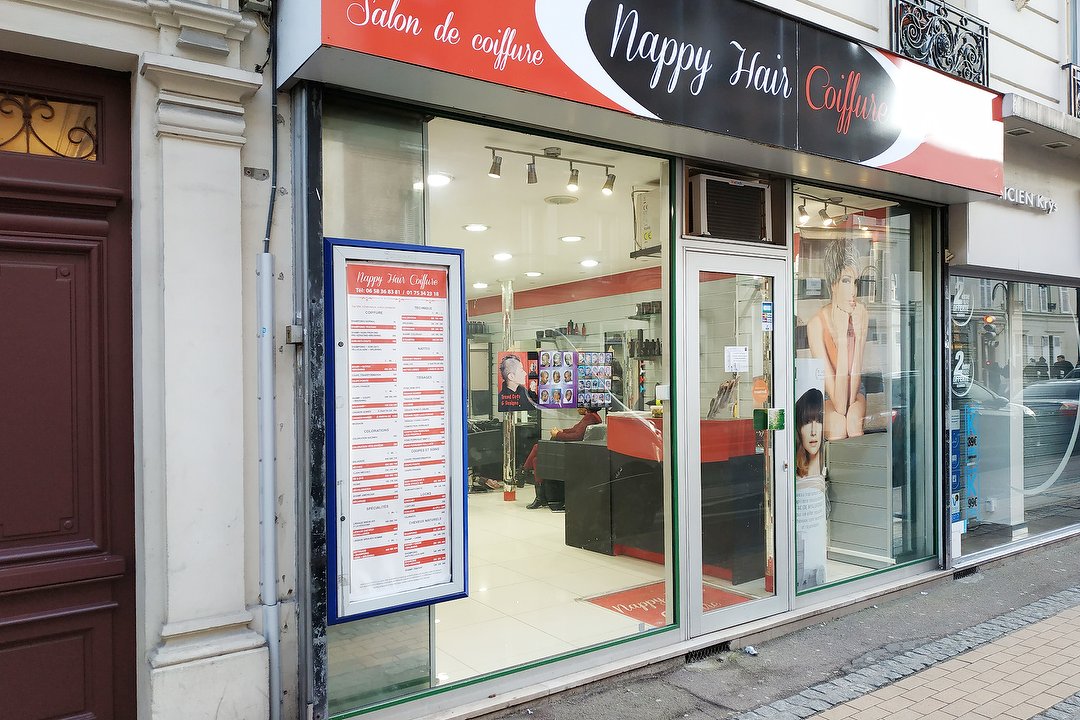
x: 837, y: 337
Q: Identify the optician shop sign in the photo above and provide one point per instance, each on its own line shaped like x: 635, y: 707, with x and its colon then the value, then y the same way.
x: 1026, y: 198
x: 724, y: 66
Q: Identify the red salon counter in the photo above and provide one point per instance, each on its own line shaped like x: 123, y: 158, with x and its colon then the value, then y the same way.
x: 615, y: 493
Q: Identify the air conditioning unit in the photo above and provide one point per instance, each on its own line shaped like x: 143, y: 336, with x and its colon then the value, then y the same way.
x: 730, y: 209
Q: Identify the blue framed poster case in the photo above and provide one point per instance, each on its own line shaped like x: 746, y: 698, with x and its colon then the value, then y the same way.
x: 390, y: 546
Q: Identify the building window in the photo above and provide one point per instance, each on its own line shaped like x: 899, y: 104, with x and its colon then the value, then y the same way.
x: 1014, y: 437
x: 37, y: 125
x: 986, y: 293
x: 943, y: 37
x: 864, y: 380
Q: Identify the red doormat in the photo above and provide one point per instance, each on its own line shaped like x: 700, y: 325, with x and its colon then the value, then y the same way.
x: 646, y: 603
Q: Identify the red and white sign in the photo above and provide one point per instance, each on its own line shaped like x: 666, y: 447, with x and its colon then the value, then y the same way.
x: 725, y: 66
x: 398, y: 507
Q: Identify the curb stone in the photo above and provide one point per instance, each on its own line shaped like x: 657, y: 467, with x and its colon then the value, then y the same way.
x: 1067, y: 709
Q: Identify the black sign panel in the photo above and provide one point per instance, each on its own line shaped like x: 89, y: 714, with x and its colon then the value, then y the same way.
x: 728, y: 67
x: 845, y: 98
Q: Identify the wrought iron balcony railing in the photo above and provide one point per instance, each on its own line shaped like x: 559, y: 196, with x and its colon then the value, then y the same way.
x: 943, y: 37
x: 1072, y: 86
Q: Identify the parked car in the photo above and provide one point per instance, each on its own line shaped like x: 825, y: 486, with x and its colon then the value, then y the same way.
x: 1052, y: 446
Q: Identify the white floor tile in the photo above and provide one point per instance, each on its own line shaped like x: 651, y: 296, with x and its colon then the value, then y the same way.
x: 553, y: 564
x: 599, y: 581
x: 571, y: 622
x: 499, y: 644
x: 524, y: 596
x: 496, y: 574
x: 449, y: 669
x: 466, y: 611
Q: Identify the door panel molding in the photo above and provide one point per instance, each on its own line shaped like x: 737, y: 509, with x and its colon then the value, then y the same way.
x: 67, y: 491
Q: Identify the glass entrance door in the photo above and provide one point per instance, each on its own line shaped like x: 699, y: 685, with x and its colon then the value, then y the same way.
x: 736, y: 438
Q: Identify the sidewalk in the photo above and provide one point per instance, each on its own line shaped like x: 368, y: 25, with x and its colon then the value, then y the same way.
x: 1031, y: 672
x: 1001, y: 643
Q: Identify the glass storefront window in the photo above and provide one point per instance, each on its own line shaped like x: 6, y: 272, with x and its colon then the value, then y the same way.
x: 863, y: 386
x: 1014, y: 422
x: 566, y: 297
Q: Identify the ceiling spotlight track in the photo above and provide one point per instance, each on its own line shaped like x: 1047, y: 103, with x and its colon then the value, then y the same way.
x: 827, y: 220
x: 550, y: 153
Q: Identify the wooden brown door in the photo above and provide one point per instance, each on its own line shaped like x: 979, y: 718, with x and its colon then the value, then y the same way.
x: 67, y: 551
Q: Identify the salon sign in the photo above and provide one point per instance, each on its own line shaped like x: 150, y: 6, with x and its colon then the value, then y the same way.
x: 724, y: 66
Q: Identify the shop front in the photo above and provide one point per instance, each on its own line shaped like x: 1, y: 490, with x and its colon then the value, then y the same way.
x: 1015, y: 479
x: 620, y: 337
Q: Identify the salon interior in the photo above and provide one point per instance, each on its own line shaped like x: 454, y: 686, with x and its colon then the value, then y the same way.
x: 565, y: 248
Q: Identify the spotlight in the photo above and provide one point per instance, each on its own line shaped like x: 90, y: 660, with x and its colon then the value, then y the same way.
x: 572, y: 183
x: 609, y: 184
x: 804, y: 216
x: 496, y: 166
x: 571, y: 238
x: 531, y: 168
x: 501, y: 256
x: 589, y: 263
x: 439, y: 179
x: 533, y: 274
x: 476, y: 227
x: 826, y: 219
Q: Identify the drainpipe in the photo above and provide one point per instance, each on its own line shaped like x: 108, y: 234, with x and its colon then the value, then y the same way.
x: 264, y: 301
x: 267, y: 486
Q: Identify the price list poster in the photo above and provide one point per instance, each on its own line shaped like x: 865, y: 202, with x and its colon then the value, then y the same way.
x: 398, y: 504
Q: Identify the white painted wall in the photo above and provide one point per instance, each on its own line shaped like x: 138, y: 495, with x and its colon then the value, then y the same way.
x: 997, y: 234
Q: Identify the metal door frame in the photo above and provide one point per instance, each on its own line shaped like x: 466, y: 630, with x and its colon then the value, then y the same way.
x: 738, y: 259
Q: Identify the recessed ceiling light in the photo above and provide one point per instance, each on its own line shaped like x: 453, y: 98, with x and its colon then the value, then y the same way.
x: 439, y: 179
x: 502, y: 256
x: 1056, y: 145
x: 480, y: 285
x: 572, y: 238
x: 589, y: 263
x: 533, y: 274
x: 476, y: 227
x: 1018, y: 131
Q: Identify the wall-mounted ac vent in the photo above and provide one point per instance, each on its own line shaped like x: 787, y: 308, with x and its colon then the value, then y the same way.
x: 729, y: 209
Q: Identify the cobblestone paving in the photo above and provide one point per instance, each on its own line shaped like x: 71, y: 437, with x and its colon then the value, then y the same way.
x: 1023, y: 664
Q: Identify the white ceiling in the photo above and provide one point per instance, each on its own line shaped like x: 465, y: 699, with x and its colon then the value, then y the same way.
x: 520, y: 220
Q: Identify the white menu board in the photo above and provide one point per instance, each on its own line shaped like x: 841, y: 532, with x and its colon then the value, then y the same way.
x: 397, y: 429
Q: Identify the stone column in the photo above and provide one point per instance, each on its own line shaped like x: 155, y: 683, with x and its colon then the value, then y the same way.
x: 205, y: 660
